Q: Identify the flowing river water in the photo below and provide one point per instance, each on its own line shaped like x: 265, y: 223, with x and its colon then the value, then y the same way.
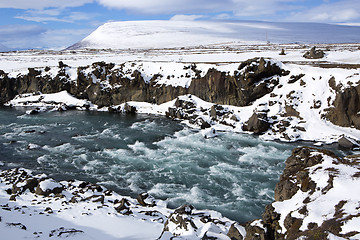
x: 234, y: 174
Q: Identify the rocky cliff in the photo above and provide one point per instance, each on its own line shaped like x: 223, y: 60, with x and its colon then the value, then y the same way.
x: 315, y: 198
x: 275, y: 100
x: 105, y: 85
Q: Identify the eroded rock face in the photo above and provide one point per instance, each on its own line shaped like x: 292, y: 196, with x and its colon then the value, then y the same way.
x: 106, y: 85
x: 314, y: 199
x: 257, y: 124
x: 346, y: 108
x: 254, y: 79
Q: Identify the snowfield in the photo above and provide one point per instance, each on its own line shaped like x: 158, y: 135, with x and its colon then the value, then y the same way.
x: 171, y: 34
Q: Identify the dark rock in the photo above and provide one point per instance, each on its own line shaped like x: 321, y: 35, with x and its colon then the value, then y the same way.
x: 346, y: 108
x: 282, y: 52
x: 141, y: 199
x: 31, y: 184
x: 47, y: 192
x: 12, y: 198
x: 295, y: 78
x: 129, y: 109
x: 254, y: 232
x: 257, y: 124
x: 234, y: 233
x: 347, y: 143
x: 64, y: 232
x: 124, y: 207
x: 18, y: 225
x: 29, y: 131
x: 314, y: 54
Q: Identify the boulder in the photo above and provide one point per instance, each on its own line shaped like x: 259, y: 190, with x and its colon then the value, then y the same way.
x: 257, y: 124
x: 49, y: 186
x: 347, y: 143
x: 314, y: 53
x: 129, y: 109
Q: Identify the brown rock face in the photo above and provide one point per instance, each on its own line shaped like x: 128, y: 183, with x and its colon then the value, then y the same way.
x: 346, y: 108
x: 257, y: 124
x: 298, y: 176
x: 255, y: 78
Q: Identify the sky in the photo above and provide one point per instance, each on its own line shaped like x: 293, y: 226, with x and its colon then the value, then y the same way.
x: 57, y: 24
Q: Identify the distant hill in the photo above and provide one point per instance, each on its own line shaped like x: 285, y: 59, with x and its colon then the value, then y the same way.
x: 3, y: 48
x: 169, y: 34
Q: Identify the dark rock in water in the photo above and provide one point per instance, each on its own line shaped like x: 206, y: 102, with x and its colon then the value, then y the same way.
x: 314, y: 54
x: 347, y: 143
x: 346, y: 108
x: 29, y: 131
x: 257, y: 124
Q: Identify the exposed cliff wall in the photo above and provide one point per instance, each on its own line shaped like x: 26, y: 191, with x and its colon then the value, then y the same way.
x: 346, y: 109
x: 316, y: 198
x: 105, y: 85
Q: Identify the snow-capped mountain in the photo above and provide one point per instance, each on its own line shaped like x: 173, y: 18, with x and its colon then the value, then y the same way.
x: 170, y: 34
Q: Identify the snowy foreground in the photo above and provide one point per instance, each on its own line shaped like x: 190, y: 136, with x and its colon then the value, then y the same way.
x: 41, y: 208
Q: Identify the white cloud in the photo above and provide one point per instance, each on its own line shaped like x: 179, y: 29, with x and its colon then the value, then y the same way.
x: 33, y: 36
x: 239, y: 7
x: 169, y: 6
x: 181, y: 17
x: 340, y: 11
x: 55, y: 15
x: 42, y: 4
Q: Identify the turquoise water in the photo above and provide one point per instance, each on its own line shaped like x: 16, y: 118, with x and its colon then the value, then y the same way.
x: 234, y: 174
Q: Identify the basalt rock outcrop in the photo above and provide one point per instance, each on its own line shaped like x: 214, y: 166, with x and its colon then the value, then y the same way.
x: 314, y: 199
x: 346, y: 108
x: 106, y: 85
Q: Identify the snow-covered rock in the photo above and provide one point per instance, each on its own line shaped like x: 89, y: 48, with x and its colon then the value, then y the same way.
x: 317, y: 195
x: 35, y: 206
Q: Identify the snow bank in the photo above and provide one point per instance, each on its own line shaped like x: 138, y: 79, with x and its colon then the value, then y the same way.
x: 81, y: 210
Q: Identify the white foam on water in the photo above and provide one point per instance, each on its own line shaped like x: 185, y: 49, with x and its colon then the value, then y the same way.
x: 145, y: 126
x: 260, y: 151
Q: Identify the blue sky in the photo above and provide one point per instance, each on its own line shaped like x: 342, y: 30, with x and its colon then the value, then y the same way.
x: 56, y: 24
